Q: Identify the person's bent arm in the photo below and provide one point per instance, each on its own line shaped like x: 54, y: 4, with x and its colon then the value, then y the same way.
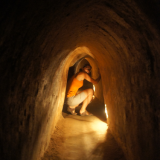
x: 94, y: 81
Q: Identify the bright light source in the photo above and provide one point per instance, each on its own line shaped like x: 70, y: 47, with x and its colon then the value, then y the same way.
x: 106, y: 111
x: 94, y: 91
x: 94, y: 88
x: 99, y: 127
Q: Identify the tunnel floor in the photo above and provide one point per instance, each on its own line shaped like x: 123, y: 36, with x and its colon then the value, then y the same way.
x: 83, y: 138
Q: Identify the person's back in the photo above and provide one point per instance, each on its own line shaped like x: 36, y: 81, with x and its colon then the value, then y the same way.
x: 75, y: 84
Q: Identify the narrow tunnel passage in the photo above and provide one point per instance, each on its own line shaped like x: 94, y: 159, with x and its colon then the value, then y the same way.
x: 40, y: 40
x: 86, y: 138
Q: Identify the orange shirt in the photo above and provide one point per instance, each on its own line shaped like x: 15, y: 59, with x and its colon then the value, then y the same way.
x: 74, y: 86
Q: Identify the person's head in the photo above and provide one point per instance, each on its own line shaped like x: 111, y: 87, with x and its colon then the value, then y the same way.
x: 87, y: 68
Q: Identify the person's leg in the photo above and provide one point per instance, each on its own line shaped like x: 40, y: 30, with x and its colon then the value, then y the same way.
x: 71, y: 109
x: 89, y: 94
x: 85, y: 96
x: 74, y: 101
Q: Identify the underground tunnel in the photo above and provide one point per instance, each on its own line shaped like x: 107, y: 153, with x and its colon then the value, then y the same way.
x: 40, y: 41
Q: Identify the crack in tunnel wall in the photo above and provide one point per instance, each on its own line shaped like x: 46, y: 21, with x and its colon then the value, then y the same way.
x: 39, y: 42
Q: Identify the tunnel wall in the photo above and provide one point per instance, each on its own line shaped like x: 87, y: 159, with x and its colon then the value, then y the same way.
x: 37, y: 40
x: 32, y: 90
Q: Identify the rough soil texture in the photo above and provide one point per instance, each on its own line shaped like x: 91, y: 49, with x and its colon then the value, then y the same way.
x: 82, y: 138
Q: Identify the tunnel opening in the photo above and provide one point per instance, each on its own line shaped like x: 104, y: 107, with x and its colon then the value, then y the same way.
x: 96, y: 106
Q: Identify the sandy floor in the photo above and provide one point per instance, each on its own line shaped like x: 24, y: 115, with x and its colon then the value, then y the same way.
x: 82, y: 138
